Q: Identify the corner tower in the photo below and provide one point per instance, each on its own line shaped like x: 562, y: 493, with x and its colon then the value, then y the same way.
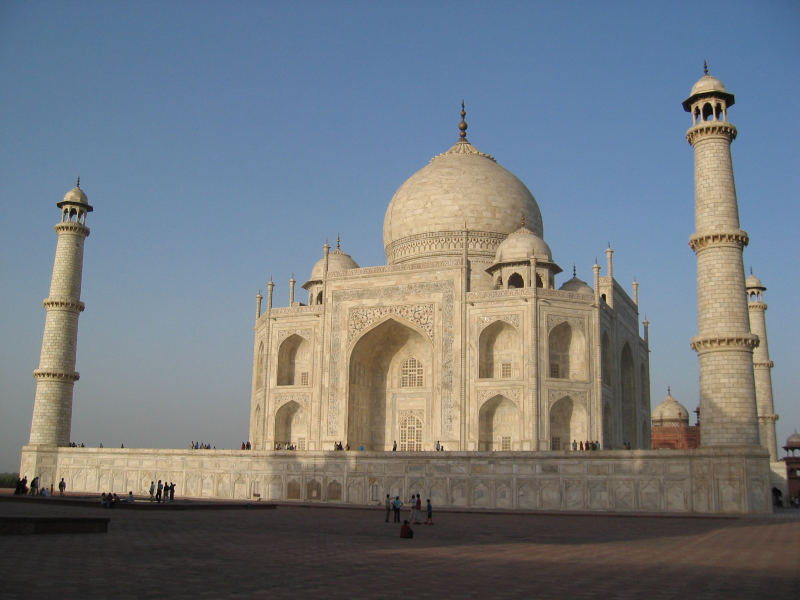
x: 56, y: 375
x: 762, y: 366
x: 724, y: 343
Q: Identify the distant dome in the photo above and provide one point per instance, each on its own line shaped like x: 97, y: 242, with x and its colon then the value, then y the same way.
x: 521, y: 245
x: 576, y: 286
x: 670, y: 412
x: 462, y: 188
x: 706, y: 84
x: 337, y: 261
x: 793, y: 441
x: 753, y: 282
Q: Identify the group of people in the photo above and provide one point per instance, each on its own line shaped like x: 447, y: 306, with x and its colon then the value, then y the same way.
x: 583, y: 446
x: 338, y: 446
x: 109, y: 500
x: 74, y: 445
x: 163, y: 492
x: 246, y: 445
x: 416, y: 514
x: 283, y: 446
x: 201, y: 446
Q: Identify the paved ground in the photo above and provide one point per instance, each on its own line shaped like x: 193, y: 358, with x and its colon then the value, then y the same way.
x: 321, y: 553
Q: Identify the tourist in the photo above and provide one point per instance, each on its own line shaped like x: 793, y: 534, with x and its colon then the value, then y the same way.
x: 396, y: 504
x: 35, y: 486
x: 130, y: 498
x: 152, y: 490
x: 406, y: 531
x: 413, y: 512
x: 62, y: 485
x: 574, y: 445
x: 159, y: 489
x: 388, y: 507
x: 172, y: 491
x: 394, y: 446
x: 429, y: 520
x: 417, y: 510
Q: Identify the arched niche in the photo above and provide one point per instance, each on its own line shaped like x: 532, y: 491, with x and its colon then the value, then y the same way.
x: 567, y: 423
x: 498, y: 424
x: 390, y: 369
x: 290, y: 423
x: 567, y: 348
x: 606, y: 358
x: 294, y: 359
x: 499, y: 351
x: 627, y: 396
x: 515, y: 281
x: 260, y: 366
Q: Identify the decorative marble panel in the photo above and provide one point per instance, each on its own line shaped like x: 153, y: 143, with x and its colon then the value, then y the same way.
x: 361, y: 318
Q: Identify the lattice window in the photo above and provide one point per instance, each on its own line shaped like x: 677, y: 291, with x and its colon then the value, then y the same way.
x: 505, y: 442
x: 554, y: 370
x: 555, y: 443
x: 304, y: 378
x: 411, y: 373
x: 505, y: 371
x: 410, y: 434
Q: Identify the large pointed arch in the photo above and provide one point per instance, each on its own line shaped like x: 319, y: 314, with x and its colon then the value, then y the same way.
x: 568, y: 422
x: 499, y: 351
x: 567, y: 348
x: 390, y: 371
x: 628, y: 396
x: 290, y: 423
x: 294, y: 361
x: 498, y: 424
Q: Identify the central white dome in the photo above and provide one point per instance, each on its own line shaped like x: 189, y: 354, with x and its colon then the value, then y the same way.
x: 461, y: 188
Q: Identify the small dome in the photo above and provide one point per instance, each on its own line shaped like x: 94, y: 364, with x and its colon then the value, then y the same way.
x: 707, y: 84
x: 521, y: 245
x: 337, y: 261
x: 576, y: 286
x: 793, y: 441
x: 670, y: 411
x: 753, y: 282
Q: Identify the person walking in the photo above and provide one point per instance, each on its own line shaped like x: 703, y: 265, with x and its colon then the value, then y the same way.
x: 429, y: 520
x: 388, y: 507
x: 396, y: 504
x: 417, y: 510
x: 159, y: 490
x: 152, y: 490
x: 62, y: 485
x: 172, y: 491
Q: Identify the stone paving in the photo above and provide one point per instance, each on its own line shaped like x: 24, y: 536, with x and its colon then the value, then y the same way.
x: 326, y: 552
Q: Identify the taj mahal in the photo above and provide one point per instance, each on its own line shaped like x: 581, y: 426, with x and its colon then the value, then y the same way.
x: 460, y: 369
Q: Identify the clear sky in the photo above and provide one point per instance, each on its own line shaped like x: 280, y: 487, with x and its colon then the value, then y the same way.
x: 223, y: 142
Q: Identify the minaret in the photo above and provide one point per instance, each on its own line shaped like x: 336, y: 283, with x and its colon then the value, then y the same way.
x: 762, y: 366
x: 56, y: 375
x: 724, y: 343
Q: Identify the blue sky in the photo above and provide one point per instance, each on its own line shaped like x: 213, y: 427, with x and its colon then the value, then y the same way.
x: 223, y: 142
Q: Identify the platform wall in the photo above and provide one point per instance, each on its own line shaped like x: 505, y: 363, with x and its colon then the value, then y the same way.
x: 670, y: 481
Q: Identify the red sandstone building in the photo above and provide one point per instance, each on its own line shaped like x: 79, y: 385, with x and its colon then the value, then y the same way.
x: 670, y: 426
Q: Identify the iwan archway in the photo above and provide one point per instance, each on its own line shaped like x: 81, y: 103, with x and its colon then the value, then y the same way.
x: 389, y: 387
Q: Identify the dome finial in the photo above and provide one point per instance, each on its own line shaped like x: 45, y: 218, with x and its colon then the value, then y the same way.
x: 669, y: 393
x: 338, y: 241
x: 574, y: 270
x: 462, y: 134
x: 78, y: 183
x: 705, y: 67
x: 524, y: 222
